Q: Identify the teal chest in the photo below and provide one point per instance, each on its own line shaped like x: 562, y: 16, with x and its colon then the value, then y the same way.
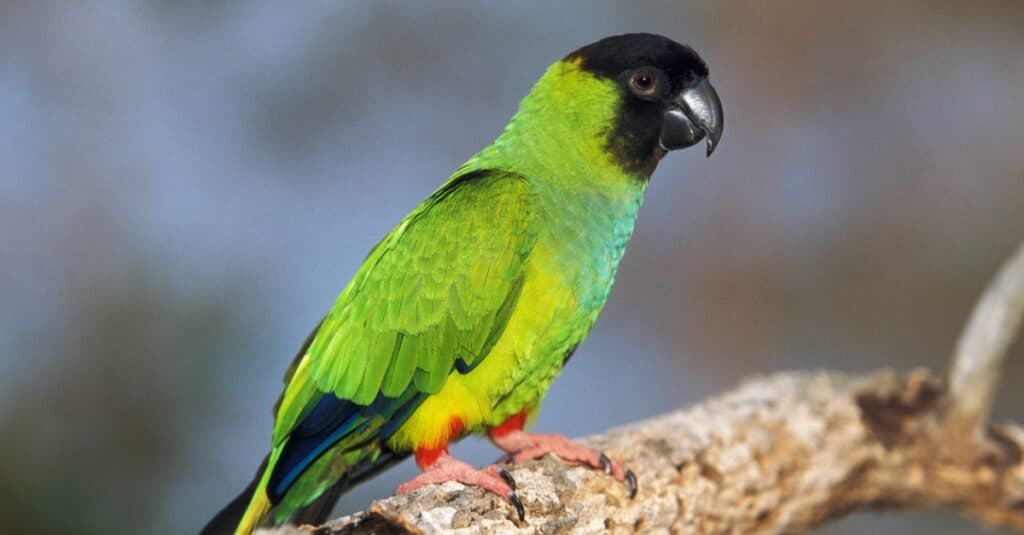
x: 578, y: 256
x: 588, y: 235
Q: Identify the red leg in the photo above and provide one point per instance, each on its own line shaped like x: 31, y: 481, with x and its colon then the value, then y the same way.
x: 522, y: 446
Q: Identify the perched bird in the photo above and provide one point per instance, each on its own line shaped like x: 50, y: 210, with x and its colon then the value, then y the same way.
x: 461, y: 317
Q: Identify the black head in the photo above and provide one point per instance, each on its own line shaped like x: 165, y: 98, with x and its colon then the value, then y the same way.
x: 667, y: 102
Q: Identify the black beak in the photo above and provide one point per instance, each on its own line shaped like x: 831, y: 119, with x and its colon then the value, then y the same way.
x: 695, y: 114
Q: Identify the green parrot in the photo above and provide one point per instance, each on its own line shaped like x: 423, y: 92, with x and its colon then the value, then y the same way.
x: 461, y: 317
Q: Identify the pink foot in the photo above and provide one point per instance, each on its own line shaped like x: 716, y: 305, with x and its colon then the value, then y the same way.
x: 493, y: 479
x: 522, y: 446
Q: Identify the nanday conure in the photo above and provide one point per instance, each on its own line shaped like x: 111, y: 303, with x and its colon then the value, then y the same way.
x: 461, y: 317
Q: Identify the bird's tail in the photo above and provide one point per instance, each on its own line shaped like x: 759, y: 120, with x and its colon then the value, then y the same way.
x: 229, y: 518
x: 252, y: 506
x: 259, y: 503
x: 333, y: 445
x: 258, y: 508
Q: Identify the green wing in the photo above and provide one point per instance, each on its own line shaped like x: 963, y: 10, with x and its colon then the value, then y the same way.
x: 432, y: 297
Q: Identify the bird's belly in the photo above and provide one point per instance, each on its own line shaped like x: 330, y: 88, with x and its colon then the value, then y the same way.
x: 548, y: 322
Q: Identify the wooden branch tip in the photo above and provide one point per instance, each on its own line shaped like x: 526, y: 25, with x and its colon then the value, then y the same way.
x: 982, y: 347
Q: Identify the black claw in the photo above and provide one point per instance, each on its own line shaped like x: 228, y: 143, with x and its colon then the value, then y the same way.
x: 514, y: 498
x: 507, y: 477
x: 606, y: 463
x: 631, y: 485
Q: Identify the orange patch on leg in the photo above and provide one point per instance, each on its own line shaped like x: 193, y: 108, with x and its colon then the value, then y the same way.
x: 454, y: 428
x: 426, y: 456
x: 516, y: 422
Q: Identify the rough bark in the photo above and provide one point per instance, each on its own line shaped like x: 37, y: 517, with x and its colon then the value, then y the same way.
x: 780, y: 454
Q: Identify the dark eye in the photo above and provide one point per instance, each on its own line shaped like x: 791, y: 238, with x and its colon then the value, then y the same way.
x: 643, y: 82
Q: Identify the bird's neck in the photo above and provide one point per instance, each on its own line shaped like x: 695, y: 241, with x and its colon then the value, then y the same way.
x: 559, y: 136
x: 586, y: 201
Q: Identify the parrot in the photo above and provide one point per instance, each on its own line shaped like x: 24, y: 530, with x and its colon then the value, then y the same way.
x: 460, y: 318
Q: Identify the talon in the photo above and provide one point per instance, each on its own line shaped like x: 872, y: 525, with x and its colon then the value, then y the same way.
x: 631, y: 485
x: 606, y: 463
x: 508, y: 479
x: 514, y: 498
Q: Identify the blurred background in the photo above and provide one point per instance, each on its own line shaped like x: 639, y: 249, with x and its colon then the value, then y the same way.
x: 185, y: 187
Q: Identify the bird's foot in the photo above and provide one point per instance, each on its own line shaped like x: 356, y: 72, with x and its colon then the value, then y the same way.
x: 522, y: 446
x: 493, y: 479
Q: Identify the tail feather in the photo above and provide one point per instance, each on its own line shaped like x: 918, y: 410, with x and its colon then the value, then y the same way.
x: 300, y: 478
x: 244, y: 514
x: 317, y: 512
x: 254, y: 515
x: 228, y: 518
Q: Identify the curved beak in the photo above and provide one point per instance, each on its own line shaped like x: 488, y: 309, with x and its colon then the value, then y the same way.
x: 695, y: 114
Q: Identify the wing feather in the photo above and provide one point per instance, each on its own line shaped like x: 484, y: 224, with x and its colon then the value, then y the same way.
x: 431, y: 298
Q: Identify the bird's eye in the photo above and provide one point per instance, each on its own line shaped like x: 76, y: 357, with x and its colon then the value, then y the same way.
x: 643, y: 82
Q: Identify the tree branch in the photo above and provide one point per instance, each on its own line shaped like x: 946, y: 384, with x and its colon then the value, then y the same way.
x: 780, y: 454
